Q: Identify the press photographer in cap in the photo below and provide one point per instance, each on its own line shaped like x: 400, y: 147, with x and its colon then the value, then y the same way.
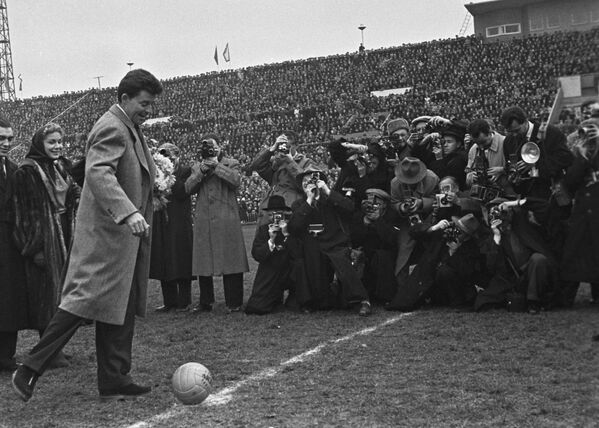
x: 278, y: 165
x: 320, y: 221
x: 218, y: 245
x: 374, y: 232
x: 172, y: 235
x: 450, y: 157
x: 273, y: 249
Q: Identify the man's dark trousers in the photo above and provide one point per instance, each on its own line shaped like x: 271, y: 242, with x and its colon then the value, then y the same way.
x: 113, y: 345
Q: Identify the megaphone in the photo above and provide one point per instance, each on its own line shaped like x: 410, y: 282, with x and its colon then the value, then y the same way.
x: 530, y: 154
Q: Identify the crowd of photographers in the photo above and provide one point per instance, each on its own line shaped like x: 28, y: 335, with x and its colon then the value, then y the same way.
x: 437, y: 211
x: 441, y: 209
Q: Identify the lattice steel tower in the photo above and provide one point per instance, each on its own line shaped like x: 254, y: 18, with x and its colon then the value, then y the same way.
x: 7, y: 79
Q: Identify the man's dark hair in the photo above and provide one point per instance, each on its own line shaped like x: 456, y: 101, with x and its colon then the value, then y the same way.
x: 291, y: 135
x: 512, y: 113
x: 477, y: 127
x: 4, y: 123
x: 136, y: 81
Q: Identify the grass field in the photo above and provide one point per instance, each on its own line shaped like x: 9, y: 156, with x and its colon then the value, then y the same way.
x: 426, y: 368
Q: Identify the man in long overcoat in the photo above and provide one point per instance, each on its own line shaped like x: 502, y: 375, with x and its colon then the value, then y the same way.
x: 218, y: 246
x: 107, y: 274
x: 13, y: 297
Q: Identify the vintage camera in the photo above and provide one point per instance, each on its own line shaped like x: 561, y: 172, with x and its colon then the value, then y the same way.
x: 414, y: 219
x: 452, y: 233
x: 496, y: 213
x: 484, y: 193
x: 442, y: 201
x: 165, y: 153
x: 584, y: 131
x: 277, y: 218
x: 282, y: 149
x: 372, y: 204
x: 407, y: 205
x: 208, y: 149
x: 438, y: 144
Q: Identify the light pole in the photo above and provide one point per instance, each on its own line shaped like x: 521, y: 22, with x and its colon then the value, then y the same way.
x: 130, y: 64
x: 99, y: 77
x: 362, y: 27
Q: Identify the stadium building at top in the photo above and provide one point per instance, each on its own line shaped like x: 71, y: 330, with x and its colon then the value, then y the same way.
x: 505, y: 19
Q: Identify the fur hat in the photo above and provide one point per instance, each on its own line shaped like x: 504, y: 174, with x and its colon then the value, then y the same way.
x: 397, y: 124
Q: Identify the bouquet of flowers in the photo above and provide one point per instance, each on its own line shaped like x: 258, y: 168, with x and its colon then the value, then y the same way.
x: 164, y: 181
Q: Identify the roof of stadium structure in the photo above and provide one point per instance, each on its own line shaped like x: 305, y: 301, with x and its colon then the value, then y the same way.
x: 493, y: 5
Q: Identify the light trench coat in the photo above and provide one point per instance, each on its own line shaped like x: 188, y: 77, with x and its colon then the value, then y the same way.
x: 218, y: 245
x: 106, y: 259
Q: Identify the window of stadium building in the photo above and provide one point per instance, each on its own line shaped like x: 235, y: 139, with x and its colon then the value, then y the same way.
x: 502, y: 30
x: 579, y: 18
x: 536, y: 23
x: 553, y: 21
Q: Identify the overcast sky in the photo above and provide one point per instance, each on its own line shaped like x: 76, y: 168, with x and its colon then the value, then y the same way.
x: 62, y: 45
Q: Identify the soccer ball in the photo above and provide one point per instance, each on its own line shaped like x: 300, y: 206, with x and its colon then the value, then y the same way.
x: 192, y: 383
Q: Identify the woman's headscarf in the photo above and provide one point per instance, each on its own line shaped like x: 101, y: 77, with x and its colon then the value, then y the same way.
x: 37, y: 152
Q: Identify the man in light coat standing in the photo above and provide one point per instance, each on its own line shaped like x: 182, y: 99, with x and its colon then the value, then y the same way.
x: 107, y: 274
x: 218, y: 246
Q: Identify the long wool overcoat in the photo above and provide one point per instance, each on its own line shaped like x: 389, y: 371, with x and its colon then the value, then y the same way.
x: 218, y: 246
x: 106, y: 258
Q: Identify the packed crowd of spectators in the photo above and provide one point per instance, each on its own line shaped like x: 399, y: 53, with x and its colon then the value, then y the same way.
x: 319, y: 98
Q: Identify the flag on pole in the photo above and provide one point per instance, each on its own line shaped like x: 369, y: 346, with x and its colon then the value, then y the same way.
x: 216, y: 54
x: 226, y: 54
x: 20, y: 83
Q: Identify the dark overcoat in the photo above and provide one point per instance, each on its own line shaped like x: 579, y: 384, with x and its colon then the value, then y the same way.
x: 581, y: 251
x: 172, y: 234
x: 13, y: 298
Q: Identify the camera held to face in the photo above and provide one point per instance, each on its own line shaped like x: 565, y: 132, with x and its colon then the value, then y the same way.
x: 442, y: 201
x: 208, y: 149
x: 452, y: 233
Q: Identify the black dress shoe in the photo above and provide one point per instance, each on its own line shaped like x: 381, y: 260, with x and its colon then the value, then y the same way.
x: 8, y: 365
x: 130, y: 391
x: 201, y: 307
x: 23, y: 382
x: 365, y: 309
x: 163, y: 308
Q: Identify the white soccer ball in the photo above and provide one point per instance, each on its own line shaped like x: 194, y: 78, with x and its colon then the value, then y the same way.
x: 192, y: 383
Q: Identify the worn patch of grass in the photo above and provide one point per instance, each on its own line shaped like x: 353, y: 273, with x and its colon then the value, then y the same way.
x: 433, y: 368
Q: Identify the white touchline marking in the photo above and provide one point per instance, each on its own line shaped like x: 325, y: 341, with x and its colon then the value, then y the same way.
x: 226, y: 394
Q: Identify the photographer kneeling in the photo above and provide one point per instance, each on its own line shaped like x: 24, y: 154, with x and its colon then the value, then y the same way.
x: 272, y: 249
x: 320, y: 222
x: 374, y: 232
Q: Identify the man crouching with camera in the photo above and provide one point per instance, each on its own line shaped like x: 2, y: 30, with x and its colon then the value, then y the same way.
x: 320, y: 222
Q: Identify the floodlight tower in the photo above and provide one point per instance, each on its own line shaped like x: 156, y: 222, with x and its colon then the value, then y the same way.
x: 7, y: 79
